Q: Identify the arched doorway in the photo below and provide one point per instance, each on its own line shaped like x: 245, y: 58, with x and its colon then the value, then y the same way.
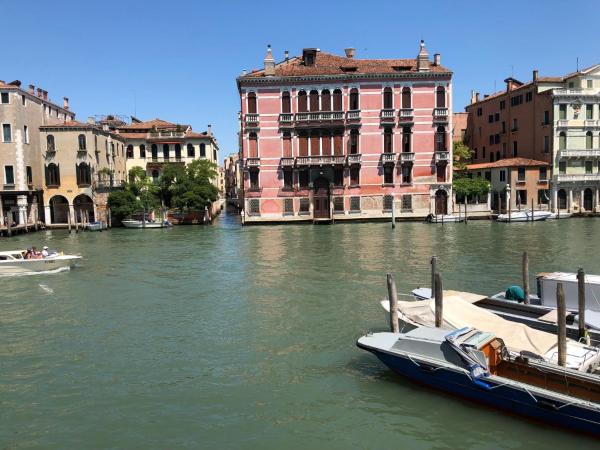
x: 588, y: 199
x: 84, y: 208
x: 441, y: 202
x: 321, y: 198
x: 562, y: 199
x: 59, y: 209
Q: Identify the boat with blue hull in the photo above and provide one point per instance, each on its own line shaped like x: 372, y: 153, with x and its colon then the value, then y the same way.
x: 476, y: 365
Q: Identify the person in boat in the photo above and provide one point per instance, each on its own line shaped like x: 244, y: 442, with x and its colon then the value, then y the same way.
x: 35, y: 253
x: 515, y: 293
x: 28, y: 254
x: 45, y: 252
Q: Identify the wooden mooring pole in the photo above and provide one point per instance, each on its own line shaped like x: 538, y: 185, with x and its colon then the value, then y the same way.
x: 393, y: 213
x: 433, y: 272
x: 562, y: 324
x: 393, y: 298
x: 526, y: 276
x: 581, y: 302
x: 439, y: 301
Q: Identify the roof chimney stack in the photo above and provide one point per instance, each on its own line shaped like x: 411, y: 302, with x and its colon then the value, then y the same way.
x: 350, y: 52
x: 209, y: 129
x: 244, y: 72
x: 287, y: 55
x: 32, y: 89
x: 422, y: 58
x: 45, y: 94
x: 39, y: 92
x: 65, y: 102
x: 476, y: 96
x: 91, y: 120
x: 269, y: 62
x: 535, y: 75
x: 437, y: 59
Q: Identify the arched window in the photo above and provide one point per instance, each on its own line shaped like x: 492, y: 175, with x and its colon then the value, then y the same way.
x: 354, y: 99
x: 440, y: 139
x: 337, y: 100
x: 406, y: 98
x: 353, y: 141
x: 388, y: 140
x: 589, y: 140
x: 251, y: 103
x: 302, y: 102
x: 178, y: 151
x: 440, y: 97
x: 191, y: 152
x: 253, y: 150
x: 326, y: 100
x: 154, y: 151
x: 286, y: 105
x: 142, y: 151
x: 130, y: 151
x: 406, y: 139
x: 83, y: 174
x: 50, y: 143
x: 202, y: 150
x: 314, y: 100
x: 302, y: 143
x: 52, y: 175
x: 388, y: 98
x: 562, y: 141
x: 326, y: 143
x: 81, y: 139
x: 165, y: 149
x: 315, y: 141
x: 287, y: 145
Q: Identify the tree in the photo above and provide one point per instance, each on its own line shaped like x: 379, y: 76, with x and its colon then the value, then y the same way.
x: 462, y: 155
x: 123, y: 203
x: 194, y: 188
x: 465, y: 186
x: 170, y: 174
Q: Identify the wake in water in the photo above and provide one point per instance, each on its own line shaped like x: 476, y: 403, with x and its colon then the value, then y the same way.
x: 46, y: 288
x: 43, y: 272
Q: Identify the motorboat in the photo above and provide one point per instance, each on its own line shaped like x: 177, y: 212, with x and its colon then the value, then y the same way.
x: 446, y: 218
x: 562, y: 215
x: 524, y: 216
x: 459, y: 313
x: 13, y: 262
x: 94, y: 226
x: 148, y: 224
x: 477, y: 365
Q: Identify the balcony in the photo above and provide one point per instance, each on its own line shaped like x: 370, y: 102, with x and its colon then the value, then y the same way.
x: 562, y: 123
x: 354, y: 159
x: 353, y: 116
x: 440, y: 114
x: 584, y: 177
x: 164, y: 159
x: 251, y: 120
x: 287, y: 162
x: 388, y: 115
x: 286, y: 119
x: 572, y: 153
x: 442, y: 156
x: 252, y: 162
x: 407, y: 157
x: 388, y: 158
x: 320, y: 160
x: 563, y: 92
x: 165, y: 135
x: 318, y: 118
x: 590, y: 123
x: 406, y: 114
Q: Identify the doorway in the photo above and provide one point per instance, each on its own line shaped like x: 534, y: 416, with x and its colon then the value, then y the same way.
x: 321, y: 198
x: 441, y: 203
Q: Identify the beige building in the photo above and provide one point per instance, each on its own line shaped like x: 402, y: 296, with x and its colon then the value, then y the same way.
x: 22, y: 112
x: 232, y: 179
x: 81, y: 163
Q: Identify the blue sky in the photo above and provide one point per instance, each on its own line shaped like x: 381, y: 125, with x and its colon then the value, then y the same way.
x: 178, y: 60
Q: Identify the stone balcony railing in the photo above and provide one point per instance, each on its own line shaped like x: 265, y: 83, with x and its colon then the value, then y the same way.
x: 406, y: 157
x: 353, y: 115
x: 287, y: 162
x: 442, y: 156
x: 571, y: 178
x: 252, y: 162
x: 591, y: 123
x: 388, y: 115
x: 579, y: 153
x: 406, y: 113
x: 388, y: 158
x: 251, y: 119
x: 320, y: 160
x: 567, y: 91
x: 354, y: 159
x: 166, y: 135
x: 286, y: 118
x: 440, y: 113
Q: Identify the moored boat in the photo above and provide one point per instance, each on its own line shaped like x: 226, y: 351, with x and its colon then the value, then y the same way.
x: 446, y: 218
x: 13, y: 262
x: 476, y: 365
x: 94, y: 226
x: 524, y: 216
x: 148, y: 224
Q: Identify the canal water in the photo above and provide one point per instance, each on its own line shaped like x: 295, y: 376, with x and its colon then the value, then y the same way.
x: 227, y: 337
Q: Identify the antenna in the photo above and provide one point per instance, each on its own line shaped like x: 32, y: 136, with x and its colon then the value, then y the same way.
x: 577, y: 64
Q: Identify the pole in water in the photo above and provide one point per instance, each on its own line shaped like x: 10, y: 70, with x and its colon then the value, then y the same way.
x: 465, y: 209
x: 393, y: 298
x: 526, y: 276
x: 562, y: 324
x: 69, y: 219
x: 581, y: 302
x: 433, y: 272
x: 393, y: 212
x: 439, y: 301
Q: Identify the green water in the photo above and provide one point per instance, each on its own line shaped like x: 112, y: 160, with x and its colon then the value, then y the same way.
x: 229, y: 337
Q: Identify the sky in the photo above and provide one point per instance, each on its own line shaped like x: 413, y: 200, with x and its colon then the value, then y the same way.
x: 178, y: 60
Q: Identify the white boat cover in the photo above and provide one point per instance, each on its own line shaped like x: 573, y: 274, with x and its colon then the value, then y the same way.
x: 459, y: 313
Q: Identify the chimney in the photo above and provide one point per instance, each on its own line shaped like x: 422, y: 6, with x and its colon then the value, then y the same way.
x: 287, y: 55
x: 90, y: 120
x: 244, y: 72
x: 535, y: 75
x: 350, y: 52
x: 209, y: 129
x: 472, y: 96
x: 437, y: 59
x: 422, y: 58
x: 45, y: 94
x: 39, y: 92
x: 32, y: 89
x: 476, y: 96
x: 65, y: 102
x: 269, y: 62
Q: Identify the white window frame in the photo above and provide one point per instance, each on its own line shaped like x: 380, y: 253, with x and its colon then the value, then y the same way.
x: 5, y: 178
x: 7, y: 93
x: 11, y: 133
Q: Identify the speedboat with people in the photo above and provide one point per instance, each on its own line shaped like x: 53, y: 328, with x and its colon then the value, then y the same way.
x: 13, y: 262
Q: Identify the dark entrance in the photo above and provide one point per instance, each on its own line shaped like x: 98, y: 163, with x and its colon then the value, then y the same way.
x: 441, y: 203
x: 562, y: 199
x: 321, y: 198
x: 588, y: 199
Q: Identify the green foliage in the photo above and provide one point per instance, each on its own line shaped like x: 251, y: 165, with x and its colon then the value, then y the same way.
x: 123, y: 204
x: 465, y: 186
x: 170, y: 174
x: 462, y: 155
x: 194, y: 189
x: 106, y: 171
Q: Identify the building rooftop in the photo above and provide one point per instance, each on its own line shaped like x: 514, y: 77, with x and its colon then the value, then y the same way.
x: 157, y: 123
x: 508, y: 162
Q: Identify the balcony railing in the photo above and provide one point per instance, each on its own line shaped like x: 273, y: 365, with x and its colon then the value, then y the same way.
x: 406, y: 113
x: 252, y: 162
x: 320, y: 160
x: 388, y: 115
x: 166, y: 135
x: 440, y: 113
x: 286, y: 118
x: 590, y: 123
x: 562, y: 123
x: 251, y: 119
x: 406, y: 157
x: 561, y: 178
x: 353, y: 115
x: 354, y: 159
x: 573, y: 153
x: 163, y: 159
x: 442, y: 156
x: 387, y: 158
x: 567, y: 91
x: 287, y: 162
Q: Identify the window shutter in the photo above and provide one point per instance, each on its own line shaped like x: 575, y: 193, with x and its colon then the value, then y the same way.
x: 58, y: 175
x: 77, y: 174
x: 46, y: 174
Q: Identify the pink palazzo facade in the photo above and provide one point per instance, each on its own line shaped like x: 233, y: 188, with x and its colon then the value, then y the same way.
x: 327, y: 138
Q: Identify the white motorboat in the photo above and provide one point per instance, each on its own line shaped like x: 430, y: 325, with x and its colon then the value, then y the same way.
x: 562, y: 215
x: 148, y: 224
x: 524, y: 216
x: 94, y: 226
x: 448, y: 218
x: 13, y: 262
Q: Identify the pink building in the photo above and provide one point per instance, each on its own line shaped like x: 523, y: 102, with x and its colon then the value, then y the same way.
x: 327, y: 137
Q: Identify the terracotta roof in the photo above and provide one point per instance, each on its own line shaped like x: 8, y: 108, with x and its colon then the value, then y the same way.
x: 16, y: 85
x: 133, y: 135
x: 508, y: 162
x: 158, y: 123
x: 329, y: 64
x: 193, y: 134
x: 68, y: 124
